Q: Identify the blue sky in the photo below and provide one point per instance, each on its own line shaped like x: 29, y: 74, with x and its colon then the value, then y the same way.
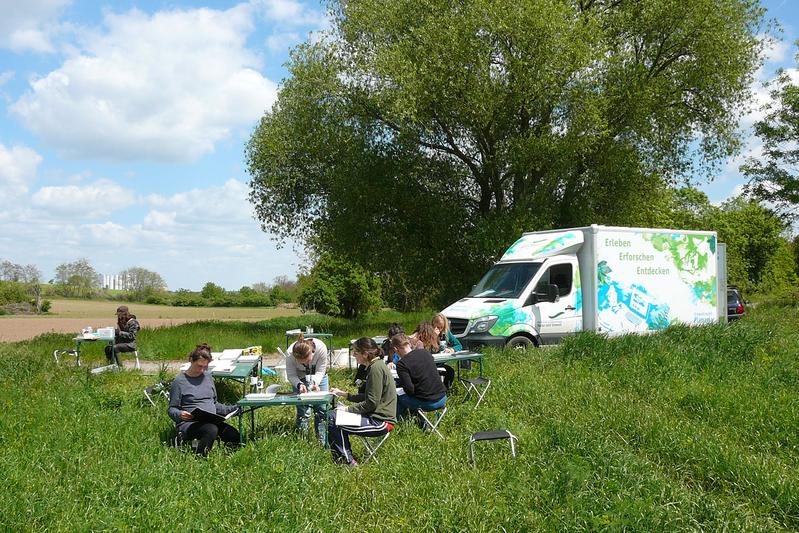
x: 123, y: 127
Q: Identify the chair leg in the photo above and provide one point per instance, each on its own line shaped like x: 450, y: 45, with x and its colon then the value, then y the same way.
x: 372, y: 449
x: 433, y: 426
x: 136, y: 360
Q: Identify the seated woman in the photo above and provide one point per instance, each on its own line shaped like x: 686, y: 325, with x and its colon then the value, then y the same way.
x: 427, y: 338
x: 418, y: 376
x: 446, y: 340
x: 195, y: 389
x: 424, y: 337
x: 124, y: 336
x: 448, y: 343
x: 306, y: 370
x: 377, y: 405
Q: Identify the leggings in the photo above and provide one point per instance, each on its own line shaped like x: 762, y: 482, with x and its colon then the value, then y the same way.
x: 207, y: 432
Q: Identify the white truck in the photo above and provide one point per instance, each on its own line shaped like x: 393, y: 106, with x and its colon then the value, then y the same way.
x: 612, y: 280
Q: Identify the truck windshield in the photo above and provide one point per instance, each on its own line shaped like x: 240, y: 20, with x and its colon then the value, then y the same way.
x: 505, y: 280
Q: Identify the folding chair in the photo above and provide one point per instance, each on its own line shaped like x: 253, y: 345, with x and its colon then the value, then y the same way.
x: 159, y: 389
x: 59, y: 354
x: 431, y: 426
x: 478, y: 385
x: 491, y: 435
x: 371, y: 449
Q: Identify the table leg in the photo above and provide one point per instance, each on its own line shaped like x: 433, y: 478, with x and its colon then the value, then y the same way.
x: 480, y: 361
x: 241, y: 428
x: 77, y: 352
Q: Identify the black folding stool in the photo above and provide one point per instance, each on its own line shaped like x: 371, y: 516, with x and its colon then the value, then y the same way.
x: 491, y: 435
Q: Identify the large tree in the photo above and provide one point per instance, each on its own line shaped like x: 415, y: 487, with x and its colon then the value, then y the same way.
x: 78, y: 274
x: 420, y: 136
x: 774, y: 177
x: 142, y: 282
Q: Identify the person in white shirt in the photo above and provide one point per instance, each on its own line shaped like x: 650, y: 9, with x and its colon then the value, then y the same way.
x: 306, y: 370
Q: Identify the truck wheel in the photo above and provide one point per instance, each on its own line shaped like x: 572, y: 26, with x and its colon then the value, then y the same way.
x: 520, y: 342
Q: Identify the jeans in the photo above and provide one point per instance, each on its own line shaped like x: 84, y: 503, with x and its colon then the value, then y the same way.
x: 406, y: 402
x: 319, y: 412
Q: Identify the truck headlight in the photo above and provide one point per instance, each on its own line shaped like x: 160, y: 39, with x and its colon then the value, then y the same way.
x: 481, y: 325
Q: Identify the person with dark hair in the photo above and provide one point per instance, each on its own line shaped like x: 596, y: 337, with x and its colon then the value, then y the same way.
x: 124, y: 336
x: 194, y: 389
x: 377, y: 405
x: 306, y: 370
x: 391, y: 355
x: 418, y: 377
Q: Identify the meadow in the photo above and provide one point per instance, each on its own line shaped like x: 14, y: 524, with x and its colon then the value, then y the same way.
x: 689, y: 429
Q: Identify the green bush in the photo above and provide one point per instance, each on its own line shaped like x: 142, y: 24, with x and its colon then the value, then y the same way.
x: 12, y: 292
x: 338, y: 288
x: 46, y: 304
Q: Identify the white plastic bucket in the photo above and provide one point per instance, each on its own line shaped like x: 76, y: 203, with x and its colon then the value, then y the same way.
x: 281, y: 371
x: 339, y: 358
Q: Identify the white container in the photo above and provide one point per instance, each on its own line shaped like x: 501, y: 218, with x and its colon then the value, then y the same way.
x: 339, y: 358
x: 281, y: 371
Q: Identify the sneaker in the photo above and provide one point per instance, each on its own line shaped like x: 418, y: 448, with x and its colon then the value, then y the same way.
x: 352, y: 464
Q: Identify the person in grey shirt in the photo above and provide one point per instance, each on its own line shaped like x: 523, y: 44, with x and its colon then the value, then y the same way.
x: 306, y: 370
x: 195, y: 389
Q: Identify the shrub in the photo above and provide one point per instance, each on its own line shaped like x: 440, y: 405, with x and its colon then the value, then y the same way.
x: 46, y: 304
x: 339, y: 288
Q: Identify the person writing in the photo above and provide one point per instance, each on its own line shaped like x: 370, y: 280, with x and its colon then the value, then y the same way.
x: 447, y: 343
x: 124, y: 336
x: 306, y: 370
x: 418, y: 376
x: 377, y: 405
x: 194, y: 389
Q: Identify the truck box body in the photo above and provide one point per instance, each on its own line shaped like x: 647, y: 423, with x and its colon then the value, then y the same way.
x: 612, y: 280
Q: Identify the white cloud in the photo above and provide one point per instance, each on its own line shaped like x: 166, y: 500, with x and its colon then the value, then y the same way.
x: 280, y: 42
x: 775, y: 50
x: 163, y: 87
x: 99, y: 198
x: 29, y: 24
x: 6, y: 76
x: 227, y: 203
x: 190, y: 238
x: 290, y: 12
x: 18, y: 166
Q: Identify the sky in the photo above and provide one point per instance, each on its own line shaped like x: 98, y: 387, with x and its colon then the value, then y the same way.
x: 123, y: 127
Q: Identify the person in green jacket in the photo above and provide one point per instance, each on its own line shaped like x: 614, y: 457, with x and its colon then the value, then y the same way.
x: 377, y: 405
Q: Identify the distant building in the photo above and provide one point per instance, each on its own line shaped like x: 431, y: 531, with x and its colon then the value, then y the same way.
x: 116, y: 282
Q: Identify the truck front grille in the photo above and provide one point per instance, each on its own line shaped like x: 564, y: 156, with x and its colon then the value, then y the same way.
x: 458, y: 325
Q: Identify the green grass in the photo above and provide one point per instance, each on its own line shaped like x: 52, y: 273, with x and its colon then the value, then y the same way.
x: 690, y: 429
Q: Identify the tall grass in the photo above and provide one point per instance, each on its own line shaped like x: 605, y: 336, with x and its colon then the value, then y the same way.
x: 690, y: 429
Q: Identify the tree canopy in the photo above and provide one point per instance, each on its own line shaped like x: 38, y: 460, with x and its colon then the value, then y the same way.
x: 420, y: 136
x: 774, y: 177
x: 79, y: 274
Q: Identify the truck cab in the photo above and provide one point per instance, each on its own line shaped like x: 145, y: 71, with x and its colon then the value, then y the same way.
x: 530, y: 297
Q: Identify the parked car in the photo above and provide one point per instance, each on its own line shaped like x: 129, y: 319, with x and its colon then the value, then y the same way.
x: 735, y: 304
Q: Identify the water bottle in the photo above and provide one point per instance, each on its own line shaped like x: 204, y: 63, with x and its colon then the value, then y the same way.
x: 442, y: 345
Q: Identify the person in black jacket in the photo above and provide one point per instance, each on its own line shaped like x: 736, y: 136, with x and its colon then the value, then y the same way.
x: 124, y: 337
x: 418, y: 377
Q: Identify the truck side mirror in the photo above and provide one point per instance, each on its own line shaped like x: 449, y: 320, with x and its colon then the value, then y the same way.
x: 552, y: 293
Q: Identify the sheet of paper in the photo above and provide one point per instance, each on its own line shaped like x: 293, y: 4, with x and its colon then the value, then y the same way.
x: 229, y: 354
x: 260, y: 396
x: 248, y: 358
x: 400, y: 391
x: 312, y: 395
x: 344, y: 418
